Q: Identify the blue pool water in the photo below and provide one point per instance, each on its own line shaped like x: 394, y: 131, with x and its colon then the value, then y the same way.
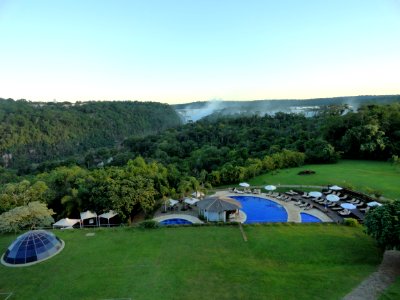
x: 306, y: 218
x: 175, y: 221
x: 259, y: 210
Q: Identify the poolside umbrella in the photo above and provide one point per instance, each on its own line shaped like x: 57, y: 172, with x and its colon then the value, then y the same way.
x: 335, y: 188
x: 332, y: 198
x: 374, y: 203
x: 315, y: 194
x: 270, y: 187
x: 244, y: 184
x: 348, y: 206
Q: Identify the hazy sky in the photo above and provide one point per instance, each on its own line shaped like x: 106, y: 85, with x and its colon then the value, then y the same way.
x: 182, y: 51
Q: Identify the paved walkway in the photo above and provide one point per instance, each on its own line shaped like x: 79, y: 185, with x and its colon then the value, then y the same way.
x: 301, y: 186
x: 377, y: 282
x: 179, y: 216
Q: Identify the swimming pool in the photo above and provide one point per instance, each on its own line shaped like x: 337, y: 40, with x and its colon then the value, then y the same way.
x: 175, y: 221
x: 260, y: 210
x: 307, y: 218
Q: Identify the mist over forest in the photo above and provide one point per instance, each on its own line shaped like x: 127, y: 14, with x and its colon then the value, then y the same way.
x: 196, y: 110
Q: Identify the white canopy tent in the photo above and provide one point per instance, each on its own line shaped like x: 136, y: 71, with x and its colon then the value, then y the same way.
x: 172, y: 202
x: 191, y: 201
x: 66, y: 223
x: 108, y: 216
x: 88, y: 215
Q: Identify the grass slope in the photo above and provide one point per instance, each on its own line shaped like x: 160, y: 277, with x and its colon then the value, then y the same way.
x: 362, y: 175
x: 393, y: 292
x: 280, y: 261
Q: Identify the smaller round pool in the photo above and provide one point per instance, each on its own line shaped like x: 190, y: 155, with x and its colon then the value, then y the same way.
x: 307, y: 218
x: 175, y: 221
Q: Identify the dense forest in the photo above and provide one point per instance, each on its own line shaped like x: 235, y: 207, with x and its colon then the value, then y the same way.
x: 309, y: 107
x: 34, y: 132
x: 216, y: 150
x: 217, y: 143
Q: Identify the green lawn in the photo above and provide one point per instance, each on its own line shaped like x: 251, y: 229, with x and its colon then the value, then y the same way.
x: 362, y: 175
x: 393, y: 292
x: 280, y: 261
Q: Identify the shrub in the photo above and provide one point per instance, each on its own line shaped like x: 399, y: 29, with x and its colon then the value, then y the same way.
x: 348, y: 185
x: 374, y: 192
x: 149, y: 224
x: 306, y: 172
x: 351, y: 222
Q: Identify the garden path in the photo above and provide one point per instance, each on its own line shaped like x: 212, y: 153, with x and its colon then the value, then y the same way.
x: 378, y: 281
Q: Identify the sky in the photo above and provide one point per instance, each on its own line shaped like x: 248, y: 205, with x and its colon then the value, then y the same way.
x: 182, y: 51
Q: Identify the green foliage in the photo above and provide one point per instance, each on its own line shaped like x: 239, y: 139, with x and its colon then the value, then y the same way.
x: 395, y: 160
x: 351, y: 222
x: 34, y: 132
x: 68, y: 191
x: 149, y: 224
x: 365, y: 139
x: 383, y: 223
x: 7, y: 176
x: 320, y: 151
x: 21, y: 193
x: 374, y: 192
x: 393, y: 292
x: 229, y: 173
x: 34, y: 214
x: 372, y: 132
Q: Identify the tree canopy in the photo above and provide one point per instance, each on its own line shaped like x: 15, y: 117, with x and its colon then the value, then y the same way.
x: 217, y: 150
x: 34, y: 214
x: 383, y: 223
x: 37, y: 132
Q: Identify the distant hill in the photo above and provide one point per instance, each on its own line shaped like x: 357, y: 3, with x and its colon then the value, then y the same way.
x: 32, y: 132
x: 197, y: 110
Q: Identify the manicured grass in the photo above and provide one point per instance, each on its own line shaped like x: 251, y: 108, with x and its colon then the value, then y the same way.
x: 362, y: 175
x: 280, y: 261
x: 393, y: 292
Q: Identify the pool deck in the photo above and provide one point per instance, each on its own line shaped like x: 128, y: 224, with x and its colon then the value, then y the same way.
x: 292, y: 210
x: 189, y: 218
